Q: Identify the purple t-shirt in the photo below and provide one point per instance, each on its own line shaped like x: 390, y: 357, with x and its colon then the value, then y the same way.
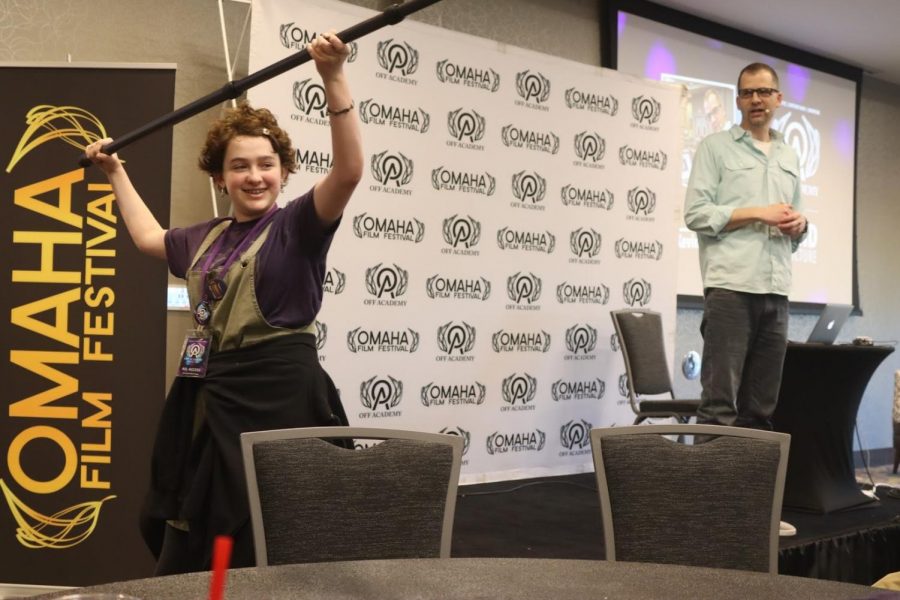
x: 290, y: 266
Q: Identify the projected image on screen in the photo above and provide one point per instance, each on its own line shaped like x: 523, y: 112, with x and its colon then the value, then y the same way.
x: 817, y: 118
x: 706, y: 107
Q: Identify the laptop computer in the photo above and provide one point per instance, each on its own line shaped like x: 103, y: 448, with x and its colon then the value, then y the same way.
x: 829, y: 324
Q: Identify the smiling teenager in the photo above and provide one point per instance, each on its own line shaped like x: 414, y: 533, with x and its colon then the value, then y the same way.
x: 255, y: 285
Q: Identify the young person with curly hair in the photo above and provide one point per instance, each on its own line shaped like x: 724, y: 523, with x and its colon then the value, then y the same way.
x: 255, y: 284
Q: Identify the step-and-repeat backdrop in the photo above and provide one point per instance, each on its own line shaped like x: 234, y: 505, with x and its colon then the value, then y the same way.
x: 510, y: 201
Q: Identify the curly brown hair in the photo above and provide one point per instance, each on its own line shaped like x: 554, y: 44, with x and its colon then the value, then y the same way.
x: 245, y: 120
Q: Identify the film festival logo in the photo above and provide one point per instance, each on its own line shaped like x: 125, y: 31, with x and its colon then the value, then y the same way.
x: 600, y: 103
x: 465, y: 435
x: 457, y: 394
x: 321, y: 337
x: 533, y: 89
x: 529, y: 189
x: 387, y: 284
x: 334, y: 282
x: 645, y: 110
x: 806, y: 142
x: 530, y: 241
x: 575, y: 437
x: 523, y: 441
x: 314, y: 161
x: 520, y: 341
x: 585, y: 246
x: 614, y: 344
x: 462, y: 234
x: 294, y: 37
x: 461, y: 181
x: 524, y: 289
x: 380, y: 396
x: 636, y: 292
x: 638, y: 249
x: 570, y: 293
x: 588, y: 389
x: 456, y: 337
x: 807, y: 251
x: 581, y: 342
x: 587, y: 198
x: 641, y: 204
x: 528, y: 139
x: 590, y: 149
x: 456, y: 74
x: 393, y: 172
x: 466, y: 127
x: 386, y: 341
x: 32, y: 482
x: 366, y: 226
x: 647, y: 159
x: 399, y: 60
x: 518, y: 392
x: 309, y: 99
x: 372, y: 112
x: 623, y: 386
x: 439, y: 287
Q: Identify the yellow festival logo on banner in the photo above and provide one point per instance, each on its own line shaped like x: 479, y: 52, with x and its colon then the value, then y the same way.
x: 48, y: 318
x: 46, y: 123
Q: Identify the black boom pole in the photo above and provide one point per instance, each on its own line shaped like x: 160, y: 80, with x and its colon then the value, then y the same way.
x: 233, y: 89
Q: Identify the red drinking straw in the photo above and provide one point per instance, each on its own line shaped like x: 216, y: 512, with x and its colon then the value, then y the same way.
x: 221, y: 558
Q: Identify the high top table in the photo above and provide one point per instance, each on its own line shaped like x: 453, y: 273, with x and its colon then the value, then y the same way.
x: 494, y: 578
x: 821, y: 388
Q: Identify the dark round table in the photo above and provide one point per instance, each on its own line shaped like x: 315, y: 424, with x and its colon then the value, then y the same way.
x: 494, y: 578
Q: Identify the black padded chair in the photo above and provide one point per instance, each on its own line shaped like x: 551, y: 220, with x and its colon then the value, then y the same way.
x: 313, y: 501
x: 646, y: 367
x: 715, y: 504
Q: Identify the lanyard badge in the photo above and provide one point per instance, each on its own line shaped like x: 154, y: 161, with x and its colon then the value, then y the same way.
x: 194, y: 354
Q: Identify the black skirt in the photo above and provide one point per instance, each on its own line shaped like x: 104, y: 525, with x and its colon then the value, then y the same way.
x: 197, y: 472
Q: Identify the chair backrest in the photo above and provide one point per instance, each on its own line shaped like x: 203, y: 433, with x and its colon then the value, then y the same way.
x: 715, y: 504
x: 643, y: 349
x: 313, y: 501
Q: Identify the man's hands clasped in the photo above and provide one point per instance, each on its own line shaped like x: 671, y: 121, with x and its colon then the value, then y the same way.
x: 783, y: 216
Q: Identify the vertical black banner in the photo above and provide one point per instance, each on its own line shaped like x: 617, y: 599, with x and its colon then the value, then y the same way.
x: 82, y: 323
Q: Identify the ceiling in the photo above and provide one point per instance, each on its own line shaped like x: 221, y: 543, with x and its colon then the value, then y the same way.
x: 861, y: 33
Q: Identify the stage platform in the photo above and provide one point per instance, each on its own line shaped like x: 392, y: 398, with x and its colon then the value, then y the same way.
x: 559, y: 517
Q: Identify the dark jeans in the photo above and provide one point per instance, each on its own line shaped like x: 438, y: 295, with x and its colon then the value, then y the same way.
x: 744, y: 342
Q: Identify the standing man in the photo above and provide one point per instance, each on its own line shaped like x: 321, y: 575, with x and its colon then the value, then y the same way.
x: 743, y: 201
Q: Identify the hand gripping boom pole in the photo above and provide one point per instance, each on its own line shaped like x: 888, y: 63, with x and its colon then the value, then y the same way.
x: 233, y: 89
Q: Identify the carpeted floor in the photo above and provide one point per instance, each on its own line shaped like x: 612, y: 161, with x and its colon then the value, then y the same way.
x: 555, y: 517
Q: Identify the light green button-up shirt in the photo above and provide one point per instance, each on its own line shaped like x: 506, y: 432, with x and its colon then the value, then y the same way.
x: 730, y: 172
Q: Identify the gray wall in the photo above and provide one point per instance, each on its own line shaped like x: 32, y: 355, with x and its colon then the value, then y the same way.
x: 187, y: 32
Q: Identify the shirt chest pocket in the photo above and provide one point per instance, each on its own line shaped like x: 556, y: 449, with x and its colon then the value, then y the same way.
x: 786, y: 179
x: 741, y: 177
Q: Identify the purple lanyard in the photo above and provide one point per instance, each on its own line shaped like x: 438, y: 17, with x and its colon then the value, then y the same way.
x: 245, y: 243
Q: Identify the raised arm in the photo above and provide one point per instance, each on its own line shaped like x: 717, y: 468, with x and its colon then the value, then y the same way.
x: 334, y: 190
x: 145, y: 230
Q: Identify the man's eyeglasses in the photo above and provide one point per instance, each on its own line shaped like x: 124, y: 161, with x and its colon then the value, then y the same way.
x: 747, y: 93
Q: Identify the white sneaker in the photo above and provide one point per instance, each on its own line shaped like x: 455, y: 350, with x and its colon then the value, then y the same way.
x: 785, y: 529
